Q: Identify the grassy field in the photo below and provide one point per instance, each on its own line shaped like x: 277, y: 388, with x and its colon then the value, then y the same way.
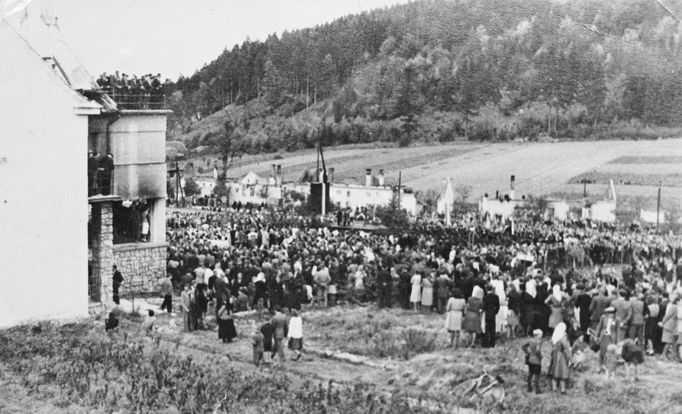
x: 340, y: 353
x: 540, y: 168
x: 622, y: 178
x: 648, y: 160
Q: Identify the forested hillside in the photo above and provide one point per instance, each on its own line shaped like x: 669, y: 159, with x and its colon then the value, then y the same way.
x: 440, y: 70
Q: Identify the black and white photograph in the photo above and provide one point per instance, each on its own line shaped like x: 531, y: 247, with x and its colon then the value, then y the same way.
x: 340, y: 206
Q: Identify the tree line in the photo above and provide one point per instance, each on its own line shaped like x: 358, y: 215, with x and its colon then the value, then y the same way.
x: 438, y: 70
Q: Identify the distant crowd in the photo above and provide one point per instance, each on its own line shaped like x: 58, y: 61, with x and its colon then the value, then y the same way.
x: 133, y: 92
x: 594, y: 286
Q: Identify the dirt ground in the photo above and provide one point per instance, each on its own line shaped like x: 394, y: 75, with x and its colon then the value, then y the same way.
x: 338, y: 348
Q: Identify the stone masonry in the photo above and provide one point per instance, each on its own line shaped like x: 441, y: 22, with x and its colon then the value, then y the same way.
x: 102, y: 247
x: 141, y: 264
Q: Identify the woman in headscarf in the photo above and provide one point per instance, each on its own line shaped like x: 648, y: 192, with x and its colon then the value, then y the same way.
x: 514, y: 306
x: 669, y: 325
x: 501, y: 317
x: 416, y: 293
x: 454, y: 315
x: 556, y: 303
x: 561, y: 356
x: 472, y: 320
x: 427, y: 290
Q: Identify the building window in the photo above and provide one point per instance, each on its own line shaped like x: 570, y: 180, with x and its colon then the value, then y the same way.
x: 131, y: 221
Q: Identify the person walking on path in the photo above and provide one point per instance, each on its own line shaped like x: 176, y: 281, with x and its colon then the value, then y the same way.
x: 280, y: 327
x: 295, y: 334
x: 533, y: 351
x: 166, y: 288
x: 561, y: 356
x: 117, y: 282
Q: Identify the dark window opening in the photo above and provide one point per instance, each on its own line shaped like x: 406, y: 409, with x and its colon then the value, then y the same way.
x: 131, y: 222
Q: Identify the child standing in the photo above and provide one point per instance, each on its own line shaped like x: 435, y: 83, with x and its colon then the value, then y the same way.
x: 610, y: 361
x: 258, y: 348
x: 533, y: 351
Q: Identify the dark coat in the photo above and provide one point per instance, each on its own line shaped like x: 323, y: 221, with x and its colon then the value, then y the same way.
x: 491, y: 305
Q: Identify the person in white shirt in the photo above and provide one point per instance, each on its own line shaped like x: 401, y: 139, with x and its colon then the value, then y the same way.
x: 296, y: 334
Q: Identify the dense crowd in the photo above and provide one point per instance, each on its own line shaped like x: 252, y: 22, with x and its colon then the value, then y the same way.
x: 489, y: 282
x: 144, y: 92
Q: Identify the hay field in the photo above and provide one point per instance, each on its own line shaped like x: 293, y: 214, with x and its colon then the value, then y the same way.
x: 540, y: 168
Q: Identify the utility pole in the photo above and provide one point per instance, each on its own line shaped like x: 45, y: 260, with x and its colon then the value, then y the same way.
x: 177, y: 184
x: 400, y: 181
x: 658, y: 205
x: 584, y: 180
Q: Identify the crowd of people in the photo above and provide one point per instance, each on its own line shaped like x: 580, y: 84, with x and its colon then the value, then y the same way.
x: 133, y: 92
x: 100, y: 173
x: 582, y: 285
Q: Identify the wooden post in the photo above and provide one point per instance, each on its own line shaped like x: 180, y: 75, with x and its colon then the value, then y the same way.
x: 658, y: 206
x: 400, y: 181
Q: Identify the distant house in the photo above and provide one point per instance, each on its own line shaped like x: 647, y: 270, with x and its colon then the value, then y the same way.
x: 254, y: 189
x: 373, y: 193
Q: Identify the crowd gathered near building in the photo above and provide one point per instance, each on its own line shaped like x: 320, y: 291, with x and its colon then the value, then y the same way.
x: 584, y: 285
x: 133, y: 92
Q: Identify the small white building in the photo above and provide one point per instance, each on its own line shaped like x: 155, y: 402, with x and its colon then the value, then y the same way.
x: 254, y: 189
x: 558, y: 209
x: 358, y: 196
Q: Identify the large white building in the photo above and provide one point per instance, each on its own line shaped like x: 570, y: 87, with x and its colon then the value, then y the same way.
x: 374, y: 193
x: 58, y: 243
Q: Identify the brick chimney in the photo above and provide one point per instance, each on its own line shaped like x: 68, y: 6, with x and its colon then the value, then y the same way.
x: 381, y: 177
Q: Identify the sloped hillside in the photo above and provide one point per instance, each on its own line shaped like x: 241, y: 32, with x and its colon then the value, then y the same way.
x: 439, y: 70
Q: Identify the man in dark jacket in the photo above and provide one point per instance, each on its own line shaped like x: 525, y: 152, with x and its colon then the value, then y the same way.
x: 117, y: 282
x: 385, y: 286
x: 280, y: 327
x: 491, y: 305
x: 443, y: 285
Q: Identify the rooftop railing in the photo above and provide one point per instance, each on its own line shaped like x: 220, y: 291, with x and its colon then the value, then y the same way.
x: 100, y: 182
x: 146, y: 100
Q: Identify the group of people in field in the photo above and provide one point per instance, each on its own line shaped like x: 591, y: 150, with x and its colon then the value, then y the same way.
x: 487, y: 283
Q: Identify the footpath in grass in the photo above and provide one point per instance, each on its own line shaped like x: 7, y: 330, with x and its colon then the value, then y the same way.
x: 356, y: 359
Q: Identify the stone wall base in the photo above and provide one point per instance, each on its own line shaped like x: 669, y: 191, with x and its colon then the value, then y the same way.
x: 141, y: 264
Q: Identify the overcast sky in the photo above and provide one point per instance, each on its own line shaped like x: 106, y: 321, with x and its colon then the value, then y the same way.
x: 179, y: 36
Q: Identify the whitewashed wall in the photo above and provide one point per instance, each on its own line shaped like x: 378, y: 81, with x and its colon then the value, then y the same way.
x: 43, y: 191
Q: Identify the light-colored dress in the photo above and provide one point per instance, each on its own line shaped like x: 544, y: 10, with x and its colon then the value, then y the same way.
x: 455, y: 314
x: 557, y: 315
x: 501, y: 317
x: 427, y: 292
x: 415, y: 294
